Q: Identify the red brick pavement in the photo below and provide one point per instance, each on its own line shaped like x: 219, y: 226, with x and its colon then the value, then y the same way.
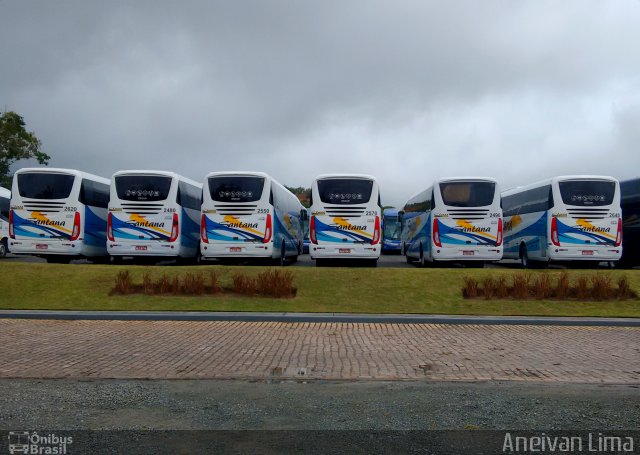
x: 260, y: 350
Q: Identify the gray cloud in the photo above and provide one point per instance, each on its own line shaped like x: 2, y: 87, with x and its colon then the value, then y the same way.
x: 408, y: 91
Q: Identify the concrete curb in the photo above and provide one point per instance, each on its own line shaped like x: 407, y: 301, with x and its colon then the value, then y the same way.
x: 317, y: 317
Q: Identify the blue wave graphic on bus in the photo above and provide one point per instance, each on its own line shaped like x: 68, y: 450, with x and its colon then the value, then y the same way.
x: 95, y: 228
x: 122, y: 230
x: 282, y: 232
x: 24, y: 228
x: 189, y: 231
x: 324, y: 231
x: 447, y: 232
x: 224, y: 233
x: 532, y: 234
x: 566, y: 235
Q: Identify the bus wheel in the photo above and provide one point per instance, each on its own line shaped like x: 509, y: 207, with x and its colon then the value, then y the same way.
x: 116, y: 259
x: 524, y: 256
x: 3, y: 248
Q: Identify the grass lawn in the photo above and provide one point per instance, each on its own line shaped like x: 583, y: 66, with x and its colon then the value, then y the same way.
x: 347, y: 290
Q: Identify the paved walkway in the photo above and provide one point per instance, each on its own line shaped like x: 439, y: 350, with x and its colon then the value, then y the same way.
x: 260, y: 350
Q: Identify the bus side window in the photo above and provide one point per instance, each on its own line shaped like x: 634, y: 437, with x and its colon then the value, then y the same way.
x: 94, y: 194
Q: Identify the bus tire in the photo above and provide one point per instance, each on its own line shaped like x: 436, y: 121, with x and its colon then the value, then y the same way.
x: 524, y: 257
x: 3, y: 248
x: 116, y: 260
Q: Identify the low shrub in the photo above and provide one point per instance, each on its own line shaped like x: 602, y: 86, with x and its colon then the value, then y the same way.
x: 193, y: 284
x: 470, y: 288
x: 243, y: 284
x: 123, y: 283
x: 489, y: 288
x: 562, y: 287
x: 601, y: 287
x: 596, y: 287
x: 542, y: 287
x: 275, y: 283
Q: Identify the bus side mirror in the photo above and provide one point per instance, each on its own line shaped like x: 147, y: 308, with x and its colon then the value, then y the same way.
x: 304, y: 216
x: 401, y: 218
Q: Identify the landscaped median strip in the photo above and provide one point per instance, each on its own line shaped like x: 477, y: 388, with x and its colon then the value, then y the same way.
x: 332, y: 290
x: 317, y: 318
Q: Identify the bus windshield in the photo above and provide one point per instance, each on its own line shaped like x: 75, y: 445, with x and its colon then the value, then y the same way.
x: 588, y: 193
x: 236, y: 188
x: 345, y: 191
x: 391, y: 228
x: 42, y: 185
x: 467, y: 194
x: 143, y: 187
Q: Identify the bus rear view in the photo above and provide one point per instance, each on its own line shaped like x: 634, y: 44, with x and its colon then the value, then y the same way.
x: 154, y: 214
x: 345, y: 218
x: 58, y: 214
x: 250, y: 215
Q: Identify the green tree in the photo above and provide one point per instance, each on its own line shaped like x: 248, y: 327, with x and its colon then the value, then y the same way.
x: 16, y: 143
x: 304, y: 194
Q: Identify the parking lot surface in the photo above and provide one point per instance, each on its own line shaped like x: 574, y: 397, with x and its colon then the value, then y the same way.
x: 346, y: 351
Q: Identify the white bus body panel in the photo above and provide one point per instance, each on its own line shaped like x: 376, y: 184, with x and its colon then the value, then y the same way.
x: 346, y: 231
x: 44, y: 227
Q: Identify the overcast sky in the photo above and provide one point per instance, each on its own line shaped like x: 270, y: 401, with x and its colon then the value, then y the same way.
x: 408, y: 91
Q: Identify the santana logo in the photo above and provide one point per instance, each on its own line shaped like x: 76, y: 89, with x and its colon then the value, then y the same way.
x: 593, y: 229
x: 146, y: 223
x: 49, y: 222
x: 350, y: 227
x: 240, y: 225
x: 475, y: 229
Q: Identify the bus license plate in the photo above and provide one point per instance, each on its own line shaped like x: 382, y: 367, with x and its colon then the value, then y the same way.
x: 41, y: 246
x: 587, y: 253
x: 344, y: 250
x: 235, y: 249
x: 467, y: 253
x: 141, y: 247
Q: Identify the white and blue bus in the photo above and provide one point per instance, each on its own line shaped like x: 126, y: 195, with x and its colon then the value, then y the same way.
x: 345, y: 218
x: 567, y: 218
x: 455, y: 220
x: 59, y: 214
x: 250, y: 215
x: 390, y: 231
x: 5, y: 202
x: 153, y: 214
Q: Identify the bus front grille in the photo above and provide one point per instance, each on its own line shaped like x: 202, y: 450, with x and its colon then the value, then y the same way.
x: 586, y: 213
x: 44, y: 206
x: 468, y: 214
x: 142, y: 209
